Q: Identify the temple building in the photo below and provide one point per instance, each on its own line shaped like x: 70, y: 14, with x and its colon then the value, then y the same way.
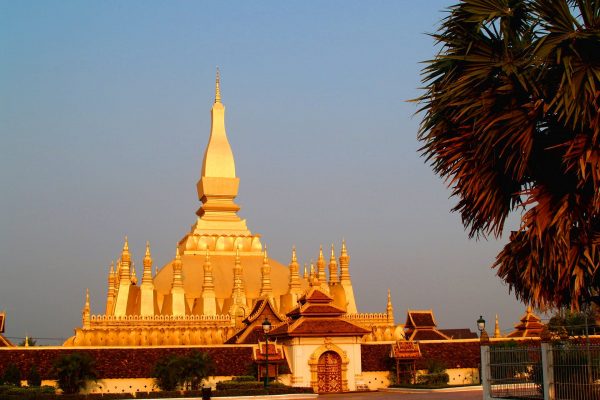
x: 220, y: 271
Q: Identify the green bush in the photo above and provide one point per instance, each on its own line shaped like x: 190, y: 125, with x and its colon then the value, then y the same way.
x: 188, y: 372
x: 27, y: 393
x: 33, y: 377
x: 12, y: 375
x: 438, y: 378
x: 73, y: 371
x: 244, y: 378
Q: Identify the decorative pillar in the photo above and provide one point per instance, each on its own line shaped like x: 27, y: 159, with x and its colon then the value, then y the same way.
x: 177, y: 291
x: 147, y: 286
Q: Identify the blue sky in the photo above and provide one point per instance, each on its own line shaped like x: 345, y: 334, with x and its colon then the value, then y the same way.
x: 104, y: 116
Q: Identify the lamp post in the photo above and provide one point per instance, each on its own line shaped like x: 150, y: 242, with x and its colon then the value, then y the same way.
x: 266, y: 325
x: 481, y: 325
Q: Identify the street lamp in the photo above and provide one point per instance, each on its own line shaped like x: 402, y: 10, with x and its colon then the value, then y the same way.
x: 481, y: 325
x: 266, y: 325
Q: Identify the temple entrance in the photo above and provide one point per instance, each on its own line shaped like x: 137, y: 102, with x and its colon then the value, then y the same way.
x: 329, y: 372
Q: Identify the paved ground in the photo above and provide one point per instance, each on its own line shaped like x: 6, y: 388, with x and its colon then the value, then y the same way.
x: 470, y: 395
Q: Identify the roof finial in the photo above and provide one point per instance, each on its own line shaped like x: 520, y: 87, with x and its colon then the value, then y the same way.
x: 218, y: 87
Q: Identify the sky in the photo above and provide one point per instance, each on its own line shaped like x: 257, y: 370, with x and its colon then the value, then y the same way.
x: 104, y: 117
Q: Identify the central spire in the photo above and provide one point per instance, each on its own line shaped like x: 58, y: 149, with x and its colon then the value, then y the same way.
x: 218, y: 158
x: 218, y: 226
x: 218, y: 185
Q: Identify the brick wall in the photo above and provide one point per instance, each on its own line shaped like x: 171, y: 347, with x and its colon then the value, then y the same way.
x: 376, y: 357
x: 125, y: 362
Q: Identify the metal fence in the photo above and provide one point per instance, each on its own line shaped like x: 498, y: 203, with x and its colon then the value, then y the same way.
x: 576, y: 369
x: 515, y: 372
x: 557, y: 371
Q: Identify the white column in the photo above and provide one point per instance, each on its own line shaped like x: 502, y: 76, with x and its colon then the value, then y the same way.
x: 486, y: 373
x: 548, y: 371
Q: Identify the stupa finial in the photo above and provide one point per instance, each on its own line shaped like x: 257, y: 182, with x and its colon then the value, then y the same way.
x: 218, y: 87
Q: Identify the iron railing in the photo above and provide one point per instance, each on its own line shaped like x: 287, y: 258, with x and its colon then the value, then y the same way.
x: 576, y: 369
x: 516, y: 372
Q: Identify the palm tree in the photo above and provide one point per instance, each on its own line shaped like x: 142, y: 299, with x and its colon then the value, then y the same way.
x: 197, y: 366
x: 511, y: 121
x: 73, y: 371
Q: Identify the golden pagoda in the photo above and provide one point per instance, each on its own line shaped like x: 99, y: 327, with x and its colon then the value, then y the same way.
x: 219, y: 271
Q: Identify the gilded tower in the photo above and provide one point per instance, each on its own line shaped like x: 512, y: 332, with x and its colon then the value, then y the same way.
x: 219, y: 271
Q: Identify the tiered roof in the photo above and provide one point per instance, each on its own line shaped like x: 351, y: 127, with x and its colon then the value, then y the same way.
x: 421, y: 325
x: 252, y: 331
x: 316, y: 316
x: 530, y: 326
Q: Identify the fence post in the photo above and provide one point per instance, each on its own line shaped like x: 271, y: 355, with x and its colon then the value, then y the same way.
x: 486, y: 372
x: 548, y: 371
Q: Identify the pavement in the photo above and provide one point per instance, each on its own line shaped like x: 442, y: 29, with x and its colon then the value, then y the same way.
x: 437, y: 395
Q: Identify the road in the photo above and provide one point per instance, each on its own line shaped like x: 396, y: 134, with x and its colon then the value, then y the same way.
x: 465, y: 395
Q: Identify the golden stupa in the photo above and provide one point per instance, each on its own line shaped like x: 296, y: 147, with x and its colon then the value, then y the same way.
x: 219, y: 270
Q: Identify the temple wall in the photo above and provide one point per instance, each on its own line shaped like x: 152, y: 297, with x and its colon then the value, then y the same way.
x: 126, y: 362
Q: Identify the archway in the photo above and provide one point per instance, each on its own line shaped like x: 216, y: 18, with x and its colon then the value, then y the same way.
x: 315, y: 358
x: 329, y: 372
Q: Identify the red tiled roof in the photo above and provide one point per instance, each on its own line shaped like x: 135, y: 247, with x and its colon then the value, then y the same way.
x: 315, y: 295
x: 316, y: 309
x: 463, y: 333
x: 405, y: 350
x: 530, y: 326
x: 319, y: 327
x: 427, y: 334
x: 420, y: 319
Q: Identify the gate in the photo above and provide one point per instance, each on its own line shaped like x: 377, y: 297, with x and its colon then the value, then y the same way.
x: 515, y: 372
x: 329, y: 372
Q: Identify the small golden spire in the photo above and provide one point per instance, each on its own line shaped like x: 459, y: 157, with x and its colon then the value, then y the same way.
x: 85, y: 314
x: 125, y: 256
x: 305, y: 272
x: 133, y: 275
x: 147, y: 272
x: 390, y: 308
x: 26, y: 341
x: 294, y: 259
x: 112, y: 269
x: 265, y: 258
x: 497, y: 333
x: 333, y: 268
x: 177, y: 270
x: 147, y: 255
x: 218, y: 87
x: 156, y: 270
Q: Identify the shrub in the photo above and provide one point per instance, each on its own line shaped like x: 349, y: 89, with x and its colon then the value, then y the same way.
x: 196, y: 367
x: 167, y: 372
x: 33, y: 377
x: 73, y: 371
x: 12, y: 375
x: 173, y: 371
x: 438, y: 378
